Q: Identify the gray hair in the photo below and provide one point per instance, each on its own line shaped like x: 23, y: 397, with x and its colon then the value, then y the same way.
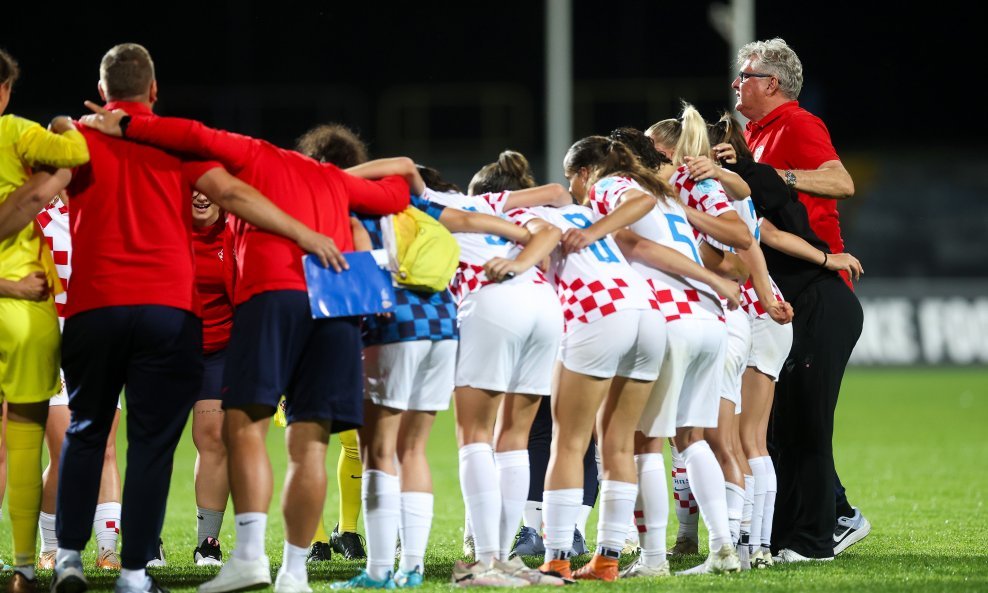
x: 775, y: 57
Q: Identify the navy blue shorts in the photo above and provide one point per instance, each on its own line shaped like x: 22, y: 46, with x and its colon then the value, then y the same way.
x: 276, y: 348
x: 212, y: 375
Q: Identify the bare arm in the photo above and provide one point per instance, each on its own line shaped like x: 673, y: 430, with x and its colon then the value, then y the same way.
x: 637, y: 248
x: 551, y: 194
x: 33, y: 287
x: 829, y: 180
x: 233, y: 195
x: 781, y: 312
x: 402, y: 166
x: 728, y: 228
x: 796, y: 246
x: 634, y: 205
x: 723, y: 263
x: 461, y: 221
x: 24, y: 203
x: 545, y: 237
x: 704, y: 168
x: 361, y: 238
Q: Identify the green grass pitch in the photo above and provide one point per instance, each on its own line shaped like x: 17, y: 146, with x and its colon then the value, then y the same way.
x: 911, y: 446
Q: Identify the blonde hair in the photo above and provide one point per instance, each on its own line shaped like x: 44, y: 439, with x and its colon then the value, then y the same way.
x: 688, y: 134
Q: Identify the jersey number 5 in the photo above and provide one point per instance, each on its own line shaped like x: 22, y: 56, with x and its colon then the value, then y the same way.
x: 674, y: 220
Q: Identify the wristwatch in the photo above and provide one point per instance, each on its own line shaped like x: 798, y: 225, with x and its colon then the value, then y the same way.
x: 790, y: 178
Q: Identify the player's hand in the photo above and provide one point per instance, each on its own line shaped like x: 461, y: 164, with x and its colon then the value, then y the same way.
x: 33, y: 287
x: 701, y: 168
x: 845, y: 262
x: 725, y: 153
x: 780, y: 311
x: 576, y: 239
x: 324, y: 248
x: 499, y: 268
x: 61, y: 124
x: 104, y: 120
x: 730, y: 291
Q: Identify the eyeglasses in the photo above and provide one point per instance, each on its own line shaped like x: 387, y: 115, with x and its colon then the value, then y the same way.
x: 743, y: 76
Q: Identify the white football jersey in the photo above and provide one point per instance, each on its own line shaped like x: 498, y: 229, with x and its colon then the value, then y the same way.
x: 666, y: 224
x: 477, y: 249
x: 595, y: 281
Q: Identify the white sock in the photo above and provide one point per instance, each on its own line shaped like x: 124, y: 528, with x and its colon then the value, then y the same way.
x: 617, y: 506
x: 532, y: 515
x: 482, y: 497
x: 513, y: 477
x: 381, y: 497
x: 581, y: 519
x: 416, y: 521
x: 106, y: 525
x: 467, y: 528
x: 707, y: 483
x: 598, y: 461
x: 653, y: 504
x: 735, y: 508
x: 758, y: 508
x: 135, y: 578
x: 768, y: 514
x: 749, y: 503
x: 687, y: 513
x: 293, y: 561
x: 560, y: 509
x: 46, y: 527
x: 250, y: 528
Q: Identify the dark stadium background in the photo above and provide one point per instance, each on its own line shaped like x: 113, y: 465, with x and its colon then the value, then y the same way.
x: 453, y: 83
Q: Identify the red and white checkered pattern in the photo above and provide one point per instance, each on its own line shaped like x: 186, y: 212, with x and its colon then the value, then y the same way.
x: 676, y: 303
x: 605, y: 195
x: 54, y: 222
x: 706, y: 196
x: 749, y: 299
x: 689, y: 502
x: 595, y: 281
x: 471, y: 278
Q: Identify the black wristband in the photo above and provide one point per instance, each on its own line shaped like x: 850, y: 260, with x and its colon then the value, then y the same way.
x: 825, y: 256
x: 124, y: 122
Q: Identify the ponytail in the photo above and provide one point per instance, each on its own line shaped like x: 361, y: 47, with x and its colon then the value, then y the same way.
x: 510, y: 172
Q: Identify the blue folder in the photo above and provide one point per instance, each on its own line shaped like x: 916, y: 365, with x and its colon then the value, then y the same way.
x: 364, y: 289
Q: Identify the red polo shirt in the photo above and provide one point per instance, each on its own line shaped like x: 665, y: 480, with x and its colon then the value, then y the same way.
x: 129, y: 219
x: 214, y: 281
x: 792, y: 138
x: 318, y: 195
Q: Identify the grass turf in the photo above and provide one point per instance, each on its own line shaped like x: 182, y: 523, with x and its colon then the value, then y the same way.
x: 911, y: 447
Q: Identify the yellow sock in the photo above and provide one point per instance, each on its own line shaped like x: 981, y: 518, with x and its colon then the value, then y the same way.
x: 348, y: 474
x: 24, y: 440
x: 321, y: 535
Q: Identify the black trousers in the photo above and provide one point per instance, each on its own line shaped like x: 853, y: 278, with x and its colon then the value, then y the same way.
x: 827, y: 324
x: 539, y: 442
x: 157, y: 353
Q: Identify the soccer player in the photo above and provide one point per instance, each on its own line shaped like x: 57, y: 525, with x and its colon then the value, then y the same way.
x: 54, y: 223
x: 29, y: 334
x: 131, y: 318
x: 499, y: 358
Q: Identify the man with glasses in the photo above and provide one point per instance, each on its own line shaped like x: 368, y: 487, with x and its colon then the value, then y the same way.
x: 809, y: 522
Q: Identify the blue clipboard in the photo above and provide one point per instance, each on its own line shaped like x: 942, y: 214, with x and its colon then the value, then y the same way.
x: 365, y: 289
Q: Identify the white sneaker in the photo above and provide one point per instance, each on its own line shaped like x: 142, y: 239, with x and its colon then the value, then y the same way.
x: 723, y: 560
x: 517, y: 568
x: 762, y: 558
x: 638, y: 569
x: 850, y: 530
x: 238, y: 575
x: 289, y: 583
x: 787, y: 556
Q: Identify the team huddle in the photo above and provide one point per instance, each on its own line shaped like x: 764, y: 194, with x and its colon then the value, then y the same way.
x: 584, y: 328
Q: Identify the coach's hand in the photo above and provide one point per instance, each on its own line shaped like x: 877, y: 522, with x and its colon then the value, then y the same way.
x: 324, y: 248
x: 845, y: 262
x: 104, y: 120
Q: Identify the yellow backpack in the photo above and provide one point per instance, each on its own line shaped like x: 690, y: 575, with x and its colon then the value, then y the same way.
x: 423, y: 254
